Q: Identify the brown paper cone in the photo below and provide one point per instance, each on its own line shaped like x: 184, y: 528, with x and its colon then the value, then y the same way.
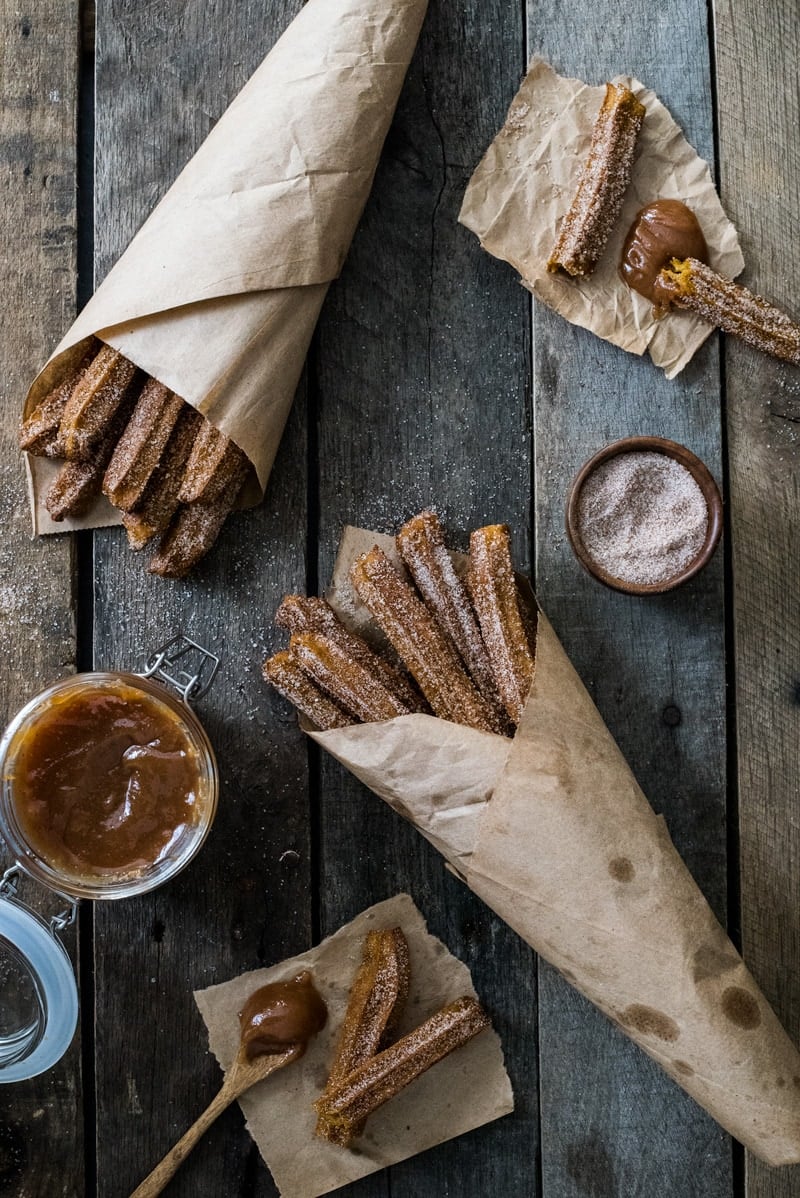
x: 218, y: 294
x: 554, y: 833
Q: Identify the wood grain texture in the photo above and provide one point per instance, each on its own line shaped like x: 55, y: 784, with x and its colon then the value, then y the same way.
x: 759, y: 111
x: 612, y: 1124
x: 40, y: 1137
x: 422, y: 366
x: 165, y: 73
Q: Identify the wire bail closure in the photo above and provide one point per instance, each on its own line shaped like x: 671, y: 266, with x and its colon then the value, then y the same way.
x: 9, y: 886
x: 191, y: 684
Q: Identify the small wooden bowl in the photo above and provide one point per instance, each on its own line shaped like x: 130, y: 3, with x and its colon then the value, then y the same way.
x: 699, y: 472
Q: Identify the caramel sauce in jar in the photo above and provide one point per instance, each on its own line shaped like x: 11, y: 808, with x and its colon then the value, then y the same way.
x: 107, y: 779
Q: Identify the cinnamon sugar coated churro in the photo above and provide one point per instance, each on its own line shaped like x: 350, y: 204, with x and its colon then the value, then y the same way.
x: 494, y: 592
x: 415, y: 636
x: 470, y: 648
x: 376, y: 1001
x: 130, y: 435
x: 380, y: 1078
x: 692, y: 285
x: 301, y: 613
x: 283, y: 671
x: 422, y: 548
x: 342, y: 677
x: 602, y: 184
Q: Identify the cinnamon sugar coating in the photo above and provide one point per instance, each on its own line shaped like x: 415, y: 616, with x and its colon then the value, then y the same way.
x: 376, y: 1001
x: 213, y: 462
x: 283, y: 671
x: 193, y: 531
x: 351, y: 685
x: 141, y: 445
x: 493, y: 587
x: 421, y: 545
x: 158, y: 504
x: 421, y: 645
x: 601, y: 186
x: 692, y: 285
x: 377, y: 1080
x: 93, y: 403
x: 301, y: 613
x: 39, y: 433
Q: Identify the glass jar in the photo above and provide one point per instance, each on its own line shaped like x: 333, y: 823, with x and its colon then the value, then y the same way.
x: 38, y: 991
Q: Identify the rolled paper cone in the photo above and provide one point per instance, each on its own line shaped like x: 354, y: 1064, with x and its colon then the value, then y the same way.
x: 218, y: 294
x: 552, y: 831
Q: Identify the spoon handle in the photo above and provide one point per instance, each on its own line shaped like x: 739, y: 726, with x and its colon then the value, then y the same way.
x: 155, y: 1182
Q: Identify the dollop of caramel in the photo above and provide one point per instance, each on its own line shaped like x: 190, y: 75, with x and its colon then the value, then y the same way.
x: 662, y: 230
x: 280, y: 1016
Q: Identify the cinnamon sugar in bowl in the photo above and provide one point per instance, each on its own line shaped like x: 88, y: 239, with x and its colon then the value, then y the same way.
x: 644, y: 515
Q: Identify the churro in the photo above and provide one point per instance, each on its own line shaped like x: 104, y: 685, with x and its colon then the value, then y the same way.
x: 493, y: 588
x: 692, y: 285
x: 213, y: 462
x: 352, y: 686
x: 602, y: 184
x: 376, y: 1001
x: 422, y: 548
x: 39, y: 433
x: 153, y: 513
x: 381, y: 1077
x: 284, y: 673
x: 193, y: 531
x: 141, y: 445
x: 77, y: 484
x: 93, y: 404
x: 301, y: 613
x: 416, y: 637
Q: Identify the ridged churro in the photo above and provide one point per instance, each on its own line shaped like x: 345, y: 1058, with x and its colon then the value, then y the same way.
x: 141, y: 445
x: 602, y: 184
x: 416, y: 637
x: 77, y: 484
x: 153, y: 513
x: 213, y: 462
x: 422, y: 548
x: 193, y: 531
x: 348, y: 683
x: 376, y: 1001
x: 692, y: 285
x: 493, y: 588
x: 345, y: 1106
x: 301, y: 613
x: 93, y: 404
x: 283, y: 671
x: 39, y: 433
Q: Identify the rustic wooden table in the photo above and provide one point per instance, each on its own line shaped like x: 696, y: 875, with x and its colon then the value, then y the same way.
x: 432, y: 378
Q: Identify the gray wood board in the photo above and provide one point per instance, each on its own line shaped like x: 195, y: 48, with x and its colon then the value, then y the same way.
x: 164, y: 75
x: 422, y: 368
x: 759, y: 112
x: 40, y: 1137
x: 612, y: 1123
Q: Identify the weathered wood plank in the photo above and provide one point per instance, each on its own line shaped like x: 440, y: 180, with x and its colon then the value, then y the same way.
x: 759, y: 111
x: 422, y: 365
x: 165, y: 73
x: 612, y: 1124
x: 40, y: 1136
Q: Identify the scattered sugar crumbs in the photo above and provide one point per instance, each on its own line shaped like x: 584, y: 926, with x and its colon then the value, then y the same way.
x: 642, y: 517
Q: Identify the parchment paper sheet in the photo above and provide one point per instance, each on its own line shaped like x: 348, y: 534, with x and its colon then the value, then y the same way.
x: 524, y: 185
x: 218, y: 294
x: 467, y: 1089
x: 554, y: 833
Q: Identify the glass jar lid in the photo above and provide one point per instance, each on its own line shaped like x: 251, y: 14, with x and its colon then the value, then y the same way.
x: 38, y: 990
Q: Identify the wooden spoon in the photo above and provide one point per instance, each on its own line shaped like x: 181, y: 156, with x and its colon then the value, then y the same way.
x: 243, y: 1074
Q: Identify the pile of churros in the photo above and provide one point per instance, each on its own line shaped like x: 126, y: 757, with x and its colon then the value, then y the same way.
x: 683, y: 282
x: 173, y: 475
x: 466, y: 646
x: 368, y: 1069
